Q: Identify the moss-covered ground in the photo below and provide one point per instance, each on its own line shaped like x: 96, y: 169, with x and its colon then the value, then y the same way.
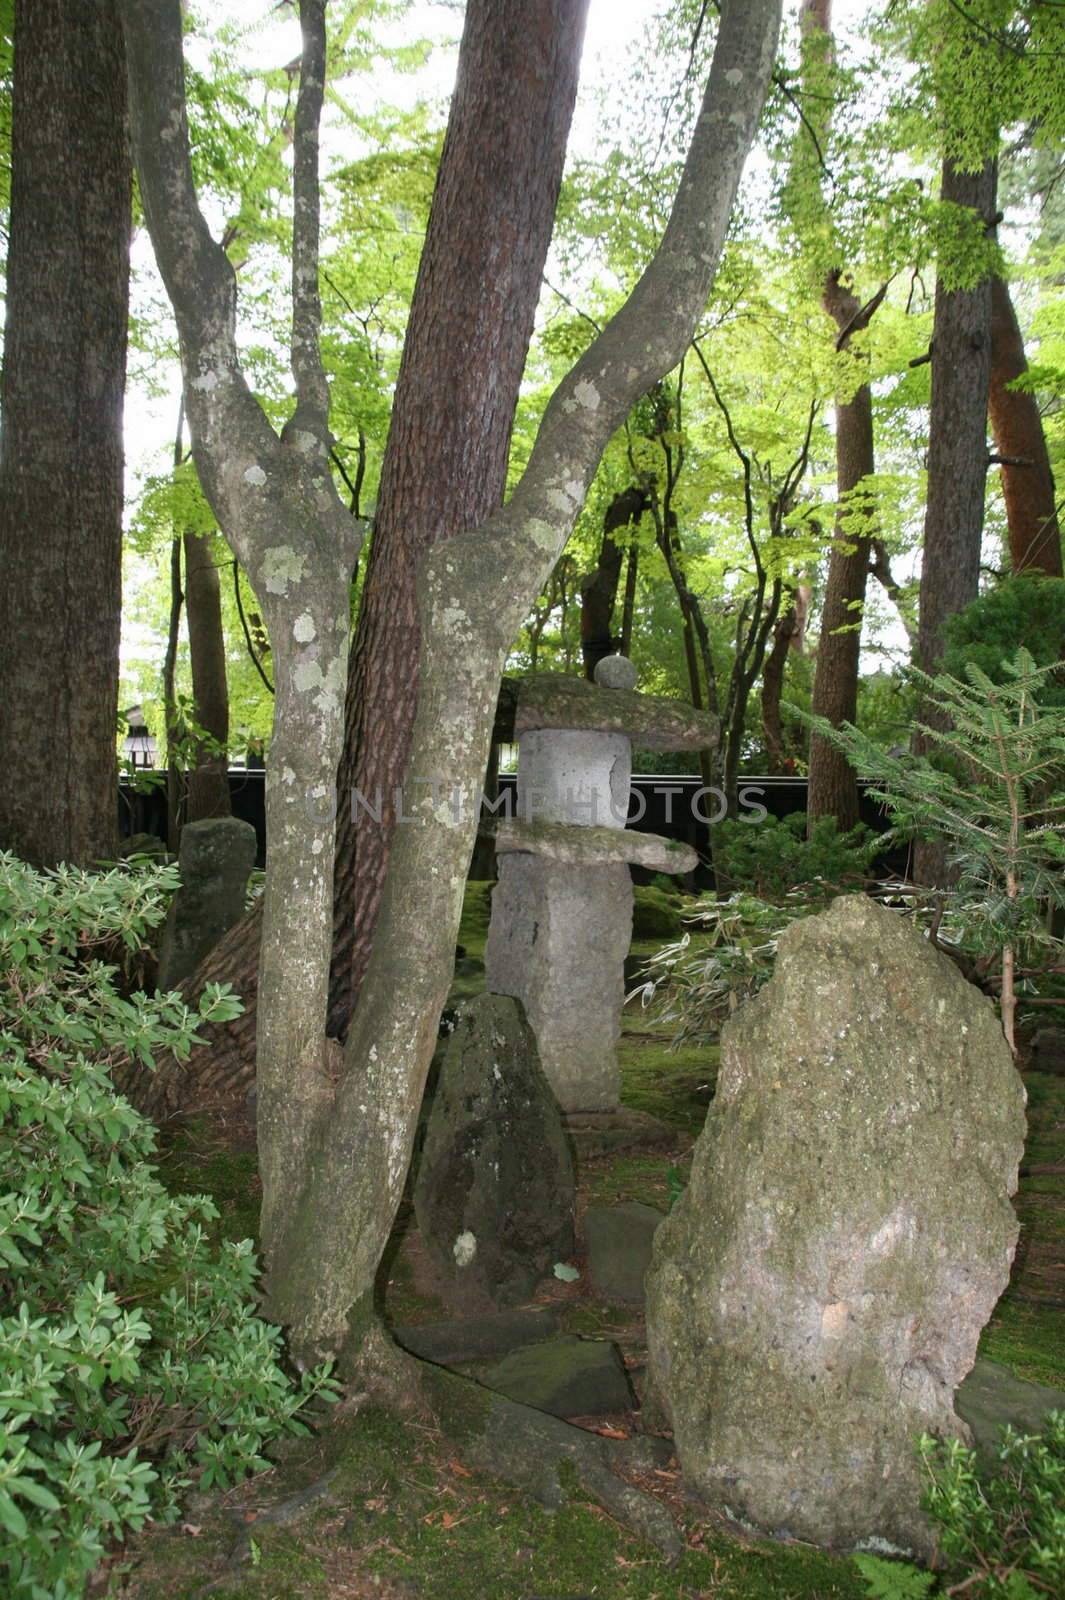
x: 396, y: 1513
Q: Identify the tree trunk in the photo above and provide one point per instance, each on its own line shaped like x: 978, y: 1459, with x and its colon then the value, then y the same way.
x: 445, y: 463
x: 61, y: 449
x: 773, y: 689
x: 599, y: 591
x: 473, y: 595
x: 628, y: 609
x: 208, y: 779
x: 957, y: 454
x: 833, y: 786
x: 1017, y: 428
x: 335, y: 1141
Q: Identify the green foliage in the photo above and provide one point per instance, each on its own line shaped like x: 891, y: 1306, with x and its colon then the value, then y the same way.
x: 695, y: 984
x: 893, y: 1580
x: 996, y: 794
x: 771, y: 858
x: 132, y: 1363
x: 1002, y: 1534
x: 1023, y: 612
x: 655, y: 913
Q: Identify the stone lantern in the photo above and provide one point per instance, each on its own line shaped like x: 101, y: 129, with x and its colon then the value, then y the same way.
x: 561, y: 922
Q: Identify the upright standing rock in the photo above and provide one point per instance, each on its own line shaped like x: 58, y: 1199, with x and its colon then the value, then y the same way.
x: 562, y: 910
x: 494, y: 1195
x: 215, y: 862
x: 818, y: 1292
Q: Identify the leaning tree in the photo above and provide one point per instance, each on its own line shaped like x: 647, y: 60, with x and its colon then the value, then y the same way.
x: 335, y: 1132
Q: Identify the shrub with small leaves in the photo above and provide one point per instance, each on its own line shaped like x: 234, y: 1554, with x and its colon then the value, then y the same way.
x: 773, y: 857
x: 132, y: 1363
x: 1001, y: 1533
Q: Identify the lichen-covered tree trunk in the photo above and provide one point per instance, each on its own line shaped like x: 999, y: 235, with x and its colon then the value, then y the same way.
x: 473, y: 592
x: 276, y: 503
x: 445, y: 463
x: 1020, y: 444
x: 61, y: 450
x: 957, y: 452
x: 208, y: 780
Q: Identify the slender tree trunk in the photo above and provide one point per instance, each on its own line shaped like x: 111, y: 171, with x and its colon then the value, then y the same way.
x: 1017, y: 428
x: 445, y: 464
x: 957, y: 454
x: 628, y: 608
x: 170, y: 717
x: 773, y: 689
x: 208, y: 779
x: 833, y: 785
x: 599, y: 591
x: 61, y: 446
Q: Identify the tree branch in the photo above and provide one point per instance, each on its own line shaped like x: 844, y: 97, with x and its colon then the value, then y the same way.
x: 199, y: 278
x: 312, y: 390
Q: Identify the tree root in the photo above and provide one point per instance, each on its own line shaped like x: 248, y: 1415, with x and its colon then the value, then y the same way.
x: 540, y: 1454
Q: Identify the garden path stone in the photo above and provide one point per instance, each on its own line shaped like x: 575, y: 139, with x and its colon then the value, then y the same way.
x: 463, y: 1339
x: 619, y: 1240
x: 991, y: 1396
x: 566, y: 1377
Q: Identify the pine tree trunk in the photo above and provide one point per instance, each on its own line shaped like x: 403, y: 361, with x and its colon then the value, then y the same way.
x: 445, y: 464
x: 61, y: 450
x: 957, y: 456
x: 1017, y: 427
x: 208, y: 779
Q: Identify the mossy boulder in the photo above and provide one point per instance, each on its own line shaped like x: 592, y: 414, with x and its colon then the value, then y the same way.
x: 656, y: 914
x: 494, y: 1193
x: 817, y: 1293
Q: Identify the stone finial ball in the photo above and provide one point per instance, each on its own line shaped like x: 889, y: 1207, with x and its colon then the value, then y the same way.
x: 616, y: 672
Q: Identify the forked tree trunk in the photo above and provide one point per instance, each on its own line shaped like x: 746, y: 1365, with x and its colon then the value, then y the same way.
x: 335, y: 1142
x: 474, y: 592
x: 61, y: 448
x: 957, y: 456
x: 1017, y: 429
x: 445, y: 465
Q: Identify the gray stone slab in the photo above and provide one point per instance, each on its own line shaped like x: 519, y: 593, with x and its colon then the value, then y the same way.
x: 844, y: 1237
x: 567, y: 1377
x: 991, y: 1397
x: 619, y: 1240
x: 574, y: 776
x: 483, y: 1338
x: 215, y: 862
x: 594, y: 846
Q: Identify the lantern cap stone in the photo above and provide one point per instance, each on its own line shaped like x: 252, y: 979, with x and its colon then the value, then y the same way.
x: 554, y: 700
x: 616, y: 672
